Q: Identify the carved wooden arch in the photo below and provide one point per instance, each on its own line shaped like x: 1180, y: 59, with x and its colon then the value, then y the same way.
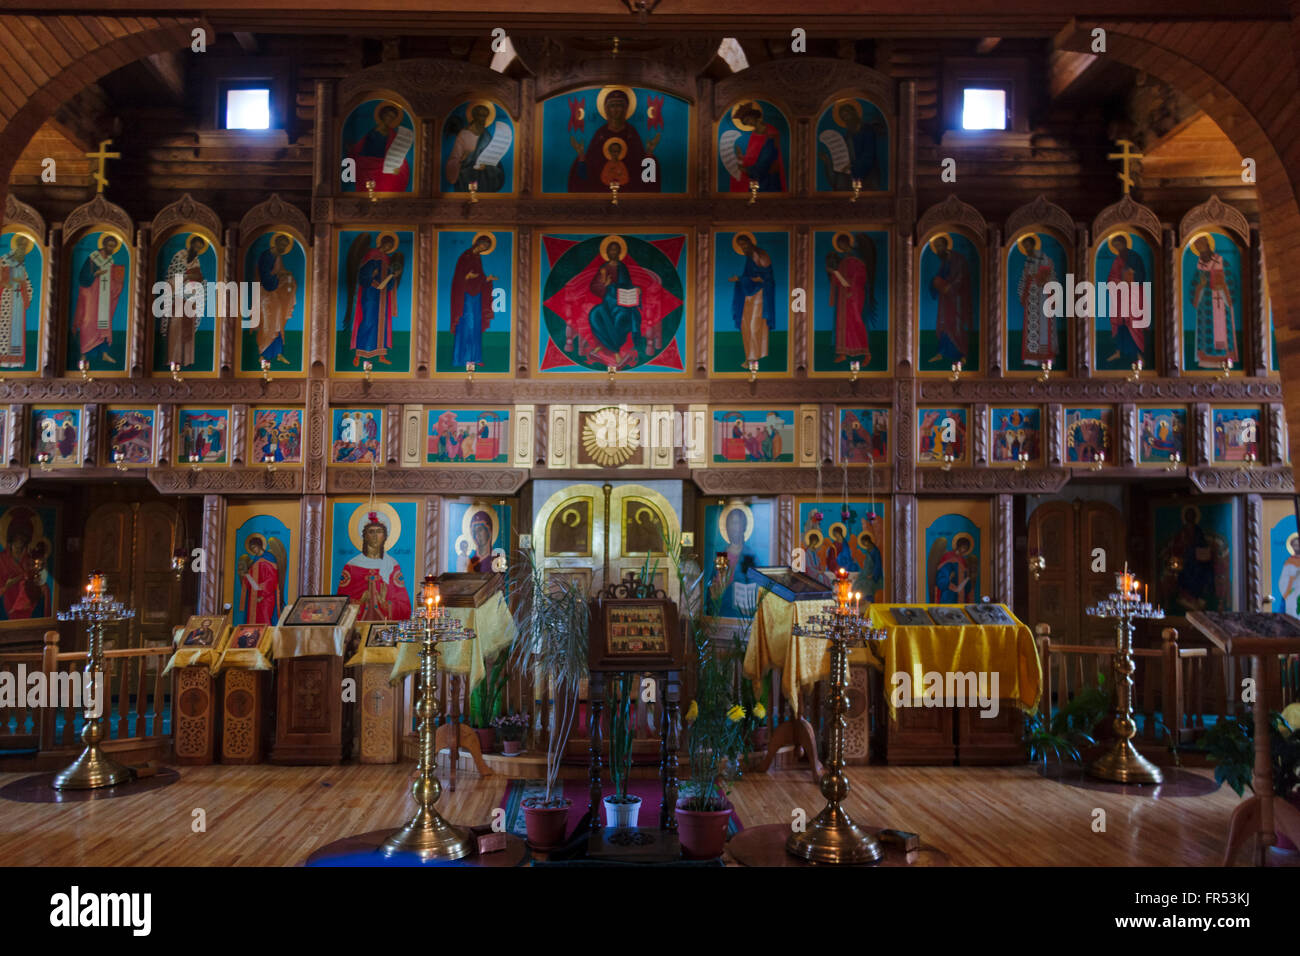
x: 1212, y: 213
x: 18, y: 213
x: 952, y: 211
x: 1041, y: 212
x: 275, y: 212
x: 430, y: 88
x: 1126, y: 212
x: 186, y: 211
x: 801, y: 84
x: 670, y: 67
x: 99, y: 211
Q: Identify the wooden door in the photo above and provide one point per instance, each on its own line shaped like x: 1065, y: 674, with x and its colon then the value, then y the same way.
x: 1067, y: 535
x: 133, y: 543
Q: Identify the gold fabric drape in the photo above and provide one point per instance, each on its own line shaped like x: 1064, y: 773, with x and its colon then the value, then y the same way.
x: 314, y: 641
x: 803, y: 660
x: 195, y: 656
x: 493, y: 629
x: 1005, y: 649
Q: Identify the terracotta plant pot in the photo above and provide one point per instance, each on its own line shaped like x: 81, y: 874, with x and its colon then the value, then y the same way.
x: 622, y: 814
x: 703, y: 833
x: 760, y: 738
x: 511, y: 747
x: 547, y: 826
x: 487, y: 739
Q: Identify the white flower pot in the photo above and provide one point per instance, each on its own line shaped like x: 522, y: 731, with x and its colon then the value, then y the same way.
x: 622, y: 815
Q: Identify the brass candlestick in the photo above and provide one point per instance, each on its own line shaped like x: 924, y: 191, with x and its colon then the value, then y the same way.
x: 832, y: 836
x: 1122, y: 763
x: 427, y: 833
x: 94, y: 768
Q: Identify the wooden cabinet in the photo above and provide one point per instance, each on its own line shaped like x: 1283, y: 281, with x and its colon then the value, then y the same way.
x: 309, y: 715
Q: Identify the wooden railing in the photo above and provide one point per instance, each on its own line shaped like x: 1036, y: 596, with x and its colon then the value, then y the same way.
x: 1179, y: 675
x: 138, y: 698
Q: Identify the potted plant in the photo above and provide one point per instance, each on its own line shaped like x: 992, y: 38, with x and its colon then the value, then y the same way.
x: 1071, y: 728
x: 621, y: 810
x: 1230, y: 745
x: 551, y: 620
x: 485, y: 703
x: 511, y: 729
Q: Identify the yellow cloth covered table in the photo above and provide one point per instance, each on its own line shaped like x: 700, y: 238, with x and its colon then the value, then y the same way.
x: 313, y: 641
x: 195, y: 656
x: 803, y: 660
x: 493, y: 629
x: 1007, y: 649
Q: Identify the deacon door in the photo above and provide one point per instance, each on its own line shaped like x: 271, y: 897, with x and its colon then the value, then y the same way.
x: 133, y: 544
x: 1068, y: 535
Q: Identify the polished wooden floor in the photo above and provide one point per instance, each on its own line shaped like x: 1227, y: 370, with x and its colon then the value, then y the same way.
x: 276, y: 816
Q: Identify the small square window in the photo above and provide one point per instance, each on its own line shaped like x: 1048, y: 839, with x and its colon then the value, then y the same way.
x: 248, y: 108
x: 983, y: 108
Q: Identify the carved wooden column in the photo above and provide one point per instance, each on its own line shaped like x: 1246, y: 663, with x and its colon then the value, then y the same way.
x: 904, y: 535
x: 16, y: 429
x: 392, y: 436
x: 800, y: 321
x: 318, y: 346
x: 239, y: 436
x: 1170, y: 325
x: 432, y: 530
x: 1004, y: 538
x: 703, y: 289
x: 1200, y: 444
x: 525, y: 131
x: 324, y: 166
x: 139, y: 354
x: 1054, y: 428
x: 903, y: 346
x: 787, y: 530
x: 424, y: 340
x: 1257, y: 343
x: 226, y: 329
x: 994, y: 322
x: 980, y: 432
x: 1128, y: 435
x: 1275, y: 423
x: 90, y: 435
x: 51, y: 341
x: 1085, y: 332
x: 316, y: 432
x: 1255, y: 544
x: 523, y: 302
x: 311, y: 570
x: 165, y: 417
x: 214, y: 541
x: 905, y: 436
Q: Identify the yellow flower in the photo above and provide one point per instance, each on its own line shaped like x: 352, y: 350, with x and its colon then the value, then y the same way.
x: 693, y: 711
x: 736, y: 714
x: 1291, y: 714
x: 759, y: 712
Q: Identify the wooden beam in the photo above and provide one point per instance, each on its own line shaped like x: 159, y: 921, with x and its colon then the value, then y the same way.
x: 167, y: 70
x: 246, y: 41
x: 987, y: 45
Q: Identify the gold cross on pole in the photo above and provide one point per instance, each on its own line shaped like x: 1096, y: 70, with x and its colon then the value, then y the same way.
x: 103, y: 156
x: 1126, y: 157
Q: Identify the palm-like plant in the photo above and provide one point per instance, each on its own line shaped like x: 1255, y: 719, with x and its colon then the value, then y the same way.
x: 552, y: 621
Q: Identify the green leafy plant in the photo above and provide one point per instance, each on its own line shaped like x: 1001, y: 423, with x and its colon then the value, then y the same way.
x: 511, y: 726
x: 1230, y: 745
x: 552, y: 623
x: 486, y: 701
x: 1070, y: 728
x: 620, y: 733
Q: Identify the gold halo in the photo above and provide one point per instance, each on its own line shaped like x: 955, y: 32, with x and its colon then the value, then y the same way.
x: 610, y: 142
x: 401, y: 111
x: 248, y: 542
x: 491, y: 108
x: 835, y: 240
x: 864, y: 537
x: 835, y: 109
x: 1196, y: 512
x: 38, y: 529
x: 813, y: 538
x: 276, y: 235
x: 361, y: 516
x: 1203, y: 234
x: 939, y: 235
x: 844, y: 530
x: 631, y: 100
x: 1020, y: 243
x: 747, y: 127
x: 722, y: 519
x: 735, y: 241
x: 15, y: 234
x: 963, y: 536
x: 1110, y: 240
x: 1292, y: 542
x: 490, y: 237
x: 104, y: 235
x: 379, y: 239
x: 207, y: 243
x: 621, y: 243
x: 470, y: 512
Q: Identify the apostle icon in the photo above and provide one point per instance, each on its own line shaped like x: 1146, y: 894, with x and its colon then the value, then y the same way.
x: 471, y: 301
x: 851, y: 146
x: 279, y: 294
x: 1038, y: 342
x: 185, y: 269
x: 261, y: 573
x: 753, y: 302
x: 950, y: 287
x: 382, y: 155
x: 480, y: 142
x: 100, y: 281
x: 1213, y: 295
x: 851, y: 268
x: 597, y: 164
x: 373, y: 578
x: 373, y: 277
x: 752, y: 151
x: 1128, y: 339
x: 16, y: 294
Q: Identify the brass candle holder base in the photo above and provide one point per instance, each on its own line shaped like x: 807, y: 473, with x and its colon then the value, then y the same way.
x: 1123, y: 764
x: 431, y: 837
x: 832, y: 837
x: 92, y: 770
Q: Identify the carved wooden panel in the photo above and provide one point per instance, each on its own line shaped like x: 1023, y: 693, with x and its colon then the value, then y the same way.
x: 15, y: 429
x: 311, y: 574
x: 663, y: 451
x: 433, y: 537
x: 239, y: 434
x: 807, y: 431
x: 980, y: 433
x: 803, y: 84
x: 952, y: 211
x: 557, y: 449
x: 904, y: 536
x: 799, y: 321
x: 695, y: 440
x: 1279, y: 479
x: 434, y: 87
x: 426, y: 480
x: 1213, y: 212
x: 193, y: 717
x: 214, y: 542
x: 1276, y: 425
x: 413, y: 433
x: 241, y: 725
x: 521, y: 442
x: 1054, y: 593
x: 1126, y: 212
x: 1128, y: 435
x: 316, y: 437
x: 422, y: 346
x: 1201, y: 447
x: 380, y: 707
x: 758, y: 481
x: 703, y: 290
x: 1255, y: 545
x: 1054, y: 429
x: 830, y: 430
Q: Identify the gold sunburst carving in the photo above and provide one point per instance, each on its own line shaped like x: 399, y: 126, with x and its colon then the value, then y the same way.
x: 611, y: 436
